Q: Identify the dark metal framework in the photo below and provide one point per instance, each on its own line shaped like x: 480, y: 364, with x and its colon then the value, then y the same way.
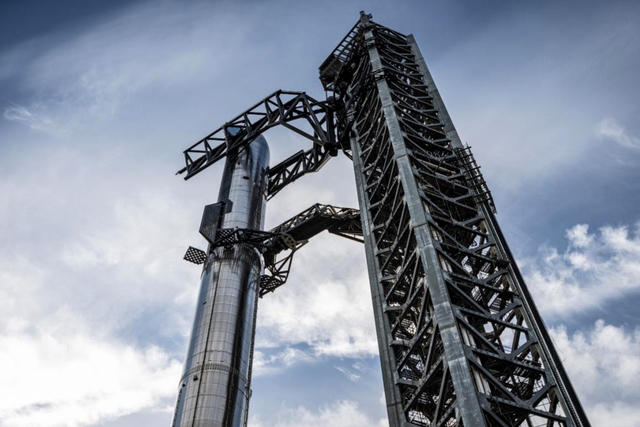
x: 461, y: 341
x: 280, y: 108
x: 280, y: 243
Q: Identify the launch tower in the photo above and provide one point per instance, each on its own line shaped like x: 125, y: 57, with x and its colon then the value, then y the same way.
x: 461, y: 341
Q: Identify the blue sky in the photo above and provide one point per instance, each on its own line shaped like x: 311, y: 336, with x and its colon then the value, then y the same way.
x: 98, y: 100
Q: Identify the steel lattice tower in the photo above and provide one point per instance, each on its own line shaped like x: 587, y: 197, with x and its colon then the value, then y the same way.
x: 461, y: 341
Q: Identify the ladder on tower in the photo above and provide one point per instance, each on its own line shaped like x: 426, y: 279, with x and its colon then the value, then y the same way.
x: 476, y: 181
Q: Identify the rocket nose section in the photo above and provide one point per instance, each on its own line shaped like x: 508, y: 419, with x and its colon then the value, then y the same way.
x: 259, y: 149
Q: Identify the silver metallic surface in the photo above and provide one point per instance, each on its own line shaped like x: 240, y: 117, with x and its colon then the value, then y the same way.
x: 215, y: 386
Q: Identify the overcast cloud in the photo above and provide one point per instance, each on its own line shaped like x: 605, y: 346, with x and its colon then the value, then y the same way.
x: 99, y: 100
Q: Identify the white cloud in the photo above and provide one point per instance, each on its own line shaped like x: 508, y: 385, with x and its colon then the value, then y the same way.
x: 88, y: 77
x: 594, y: 269
x: 351, y: 376
x: 60, y: 375
x: 34, y: 121
x: 326, y: 302
x: 338, y: 414
x: 360, y: 369
x: 604, y: 366
x: 62, y: 362
x: 360, y: 366
x: 328, y: 309
x: 611, y: 129
x: 109, y: 265
x: 271, y: 364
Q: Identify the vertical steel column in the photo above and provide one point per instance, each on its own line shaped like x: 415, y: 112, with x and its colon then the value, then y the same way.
x: 569, y: 398
x: 461, y: 341
x: 215, y: 385
x: 393, y: 397
x: 467, y: 403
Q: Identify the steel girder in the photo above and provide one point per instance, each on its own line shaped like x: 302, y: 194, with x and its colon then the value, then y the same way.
x: 296, y: 232
x: 460, y: 339
x: 279, y: 244
x: 284, y: 108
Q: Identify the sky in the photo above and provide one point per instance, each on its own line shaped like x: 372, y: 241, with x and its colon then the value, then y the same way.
x: 99, y: 99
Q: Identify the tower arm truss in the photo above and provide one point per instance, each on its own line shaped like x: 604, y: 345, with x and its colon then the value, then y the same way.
x: 280, y: 243
x: 344, y: 222
x: 299, y: 164
x: 286, y: 108
x: 283, y: 241
x: 296, y: 232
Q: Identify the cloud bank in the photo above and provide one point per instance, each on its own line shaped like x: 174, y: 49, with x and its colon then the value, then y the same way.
x: 603, y: 363
x: 58, y: 375
x: 343, y: 413
x: 609, y: 128
x: 595, y: 269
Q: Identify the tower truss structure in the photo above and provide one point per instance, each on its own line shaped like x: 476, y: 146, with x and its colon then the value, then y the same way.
x: 461, y: 341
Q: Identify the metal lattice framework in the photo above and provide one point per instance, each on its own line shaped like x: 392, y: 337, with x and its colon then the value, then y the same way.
x: 296, y: 232
x: 280, y: 108
x: 279, y: 244
x: 461, y: 341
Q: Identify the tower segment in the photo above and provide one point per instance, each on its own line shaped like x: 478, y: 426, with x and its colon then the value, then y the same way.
x: 461, y: 341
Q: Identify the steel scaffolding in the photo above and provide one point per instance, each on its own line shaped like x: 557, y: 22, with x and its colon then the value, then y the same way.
x: 461, y: 341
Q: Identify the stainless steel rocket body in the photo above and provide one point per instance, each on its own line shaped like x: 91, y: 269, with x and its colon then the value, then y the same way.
x: 215, y: 385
